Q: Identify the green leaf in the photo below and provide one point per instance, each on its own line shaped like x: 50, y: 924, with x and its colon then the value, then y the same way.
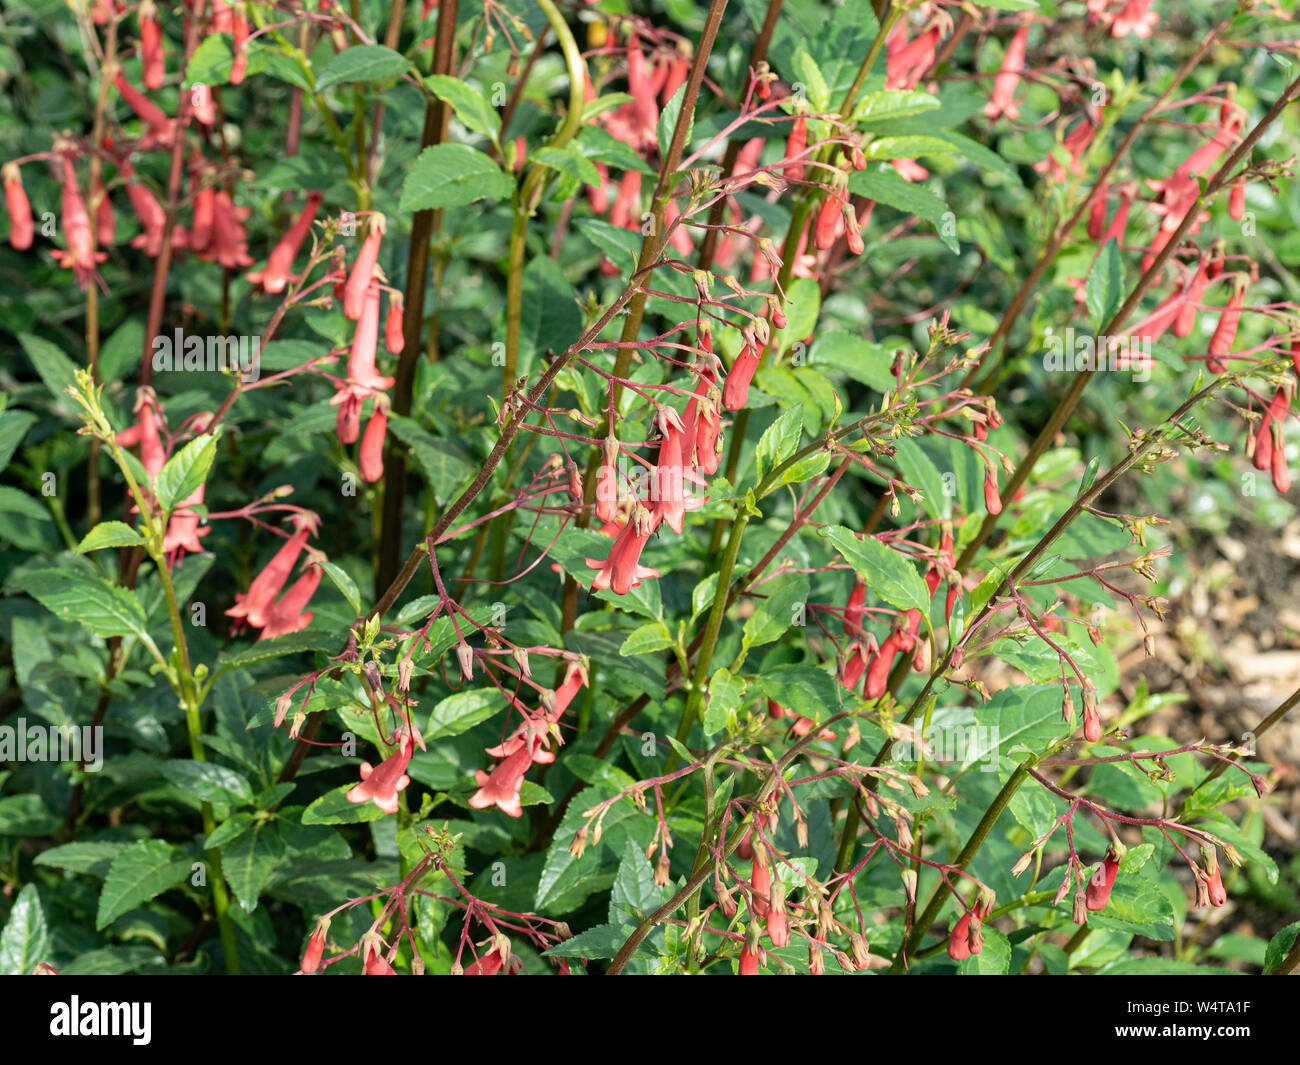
x: 602, y: 941
x: 362, y: 62
x: 569, y: 160
x: 13, y: 427
x: 344, y: 584
x: 921, y: 473
x: 886, y: 185
x: 724, y: 696
x: 892, y: 103
x: 104, y: 608
x: 645, y: 639
x: 109, y: 534
x: 249, y: 861
x: 186, y: 470
x: 887, y: 573
x: 25, y: 939
x: 668, y: 122
x: 1105, y: 287
x: 211, y: 62
x: 26, y: 815
x: 786, y: 594
x: 808, y: 691
x: 89, y: 857
x: 445, y: 466
x: 333, y: 808
x: 55, y: 368
x: 461, y: 711
x: 471, y: 108
x: 993, y: 960
x: 140, y: 872
x: 1280, y: 946
x: 1137, y: 905
x: 861, y: 359
x: 452, y: 175
x: 779, y: 441
x: 208, y: 782
x: 634, y: 893
x: 907, y: 147
x: 810, y: 77
x: 262, y: 650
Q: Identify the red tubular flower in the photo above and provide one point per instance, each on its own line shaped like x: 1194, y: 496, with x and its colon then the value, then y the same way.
x: 853, y: 611
x: 749, y: 959
x: 153, y: 219
x: 144, y: 432
x: 275, y: 275
x: 381, y: 784
x: 1075, y: 143
x: 827, y: 225
x: 628, y: 201
x: 356, y: 291
x: 795, y: 145
x: 394, y: 340
x: 501, y: 787
x: 1102, y: 881
x: 362, y: 374
x: 1091, y: 716
x: 78, y: 255
x: 1237, y: 201
x: 671, y: 473
x: 254, y: 606
x: 183, y: 532
x: 488, y: 965
x: 760, y: 884
x: 735, y: 390
x: 289, y: 614
x: 963, y: 940
x: 229, y: 242
x: 348, y: 422
x: 1186, y: 320
x: 151, y: 47
x: 21, y: 228
x: 105, y: 220
x: 1214, y: 887
x: 1281, y: 476
x: 202, y: 106
x: 607, y: 484
x: 372, y: 444
x: 1226, y: 331
x: 205, y: 200
x: 1134, y: 18
x: 992, y: 498
x: 160, y: 129
x: 1271, y: 424
x: 376, y: 964
x: 906, y: 65
x: 852, y: 231
x: 239, y: 27
x: 1003, y: 101
x: 881, y: 662
x: 707, y: 424
x: 315, y: 947
x: 622, y: 570
x: 1097, y: 214
x: 853, y: 666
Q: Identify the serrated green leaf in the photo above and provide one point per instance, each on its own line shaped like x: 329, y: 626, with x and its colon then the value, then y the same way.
x: 886, y: 572
x: 25, y: 938
x: 145, y: 869
x: 452, y: 175
x: 109, y: 534
x: 186, y: 470
x: 362, y: 62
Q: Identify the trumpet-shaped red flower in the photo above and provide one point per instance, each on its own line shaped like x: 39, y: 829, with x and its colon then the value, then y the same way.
x: 670, y: 476
x: 21, y: 229
x: 183, y: 532
x: 1101, y: 883
x: 1075, y: 143
x: 795, y: 145
x: 1134, y: 18
x: 1226, y: 331
x: 735, y: 389
x: 909, y: 61
x: 159, y: 129
x: 229, y: 242
x: 357, y: 290
x: 1003, y: 100
x: 79, y: 255
x: 275, y: 275
x: 315, y: 947
x: 254, y: 606
x: 153, y: 219
x: 380, y: 784
x: 151, y: 46
x: 965, y: 940
x: 394, y: 340
x: 372, y: 444
x: 622, y: 570
x: 289, y: 614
